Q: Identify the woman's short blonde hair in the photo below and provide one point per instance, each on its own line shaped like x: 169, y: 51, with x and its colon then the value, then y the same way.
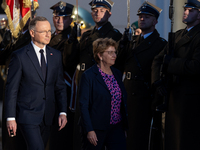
x: 100, y: 45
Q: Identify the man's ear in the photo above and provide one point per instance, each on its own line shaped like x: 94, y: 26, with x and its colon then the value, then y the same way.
x: 109, y: 13
x: 155, y: 21
x: 31, y: 33
x: 198, y: 16
x: 71, y: 19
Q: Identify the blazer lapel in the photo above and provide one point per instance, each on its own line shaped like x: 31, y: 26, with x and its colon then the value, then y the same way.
x: 119, y: 80
x: 32, y: 55
x: 99, y: 77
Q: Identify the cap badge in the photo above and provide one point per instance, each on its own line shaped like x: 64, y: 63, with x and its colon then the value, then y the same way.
x: 61, y: 5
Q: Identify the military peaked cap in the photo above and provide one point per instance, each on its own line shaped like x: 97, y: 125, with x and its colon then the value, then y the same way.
x: 193, y: 4
x: 101, y: 3
x: 150, y: 9
x: 62, y: 9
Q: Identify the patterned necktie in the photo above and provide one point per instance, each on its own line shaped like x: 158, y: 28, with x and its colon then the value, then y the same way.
x: 43, y: 64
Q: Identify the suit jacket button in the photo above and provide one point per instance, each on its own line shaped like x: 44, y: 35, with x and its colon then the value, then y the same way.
x: 133, y: 93
x: 44, y: 98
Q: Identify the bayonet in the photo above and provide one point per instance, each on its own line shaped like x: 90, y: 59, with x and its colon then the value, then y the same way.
x: 130, y: 30
x: 32, y: 9
x: 78, y: 23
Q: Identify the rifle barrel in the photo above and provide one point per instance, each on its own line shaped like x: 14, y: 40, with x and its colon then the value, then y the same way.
x: 128, y: 13
x: 77, y: 11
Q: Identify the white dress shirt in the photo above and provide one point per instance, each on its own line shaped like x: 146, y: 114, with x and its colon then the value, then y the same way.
x: 37, y: 51
x: 146, y: 35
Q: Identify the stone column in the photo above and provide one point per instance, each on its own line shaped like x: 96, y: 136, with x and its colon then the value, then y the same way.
x: 178, y: 8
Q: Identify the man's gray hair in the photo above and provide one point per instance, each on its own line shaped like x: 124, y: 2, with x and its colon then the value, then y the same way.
x: 35, y: 20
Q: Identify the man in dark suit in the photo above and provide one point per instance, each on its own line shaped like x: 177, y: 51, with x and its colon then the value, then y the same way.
x: 23, y: 39
x: 35, y: 80
x: 139, y: 55
x: 182, y: 127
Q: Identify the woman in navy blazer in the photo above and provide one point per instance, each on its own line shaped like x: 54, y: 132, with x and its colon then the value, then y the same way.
x: 102, y: 100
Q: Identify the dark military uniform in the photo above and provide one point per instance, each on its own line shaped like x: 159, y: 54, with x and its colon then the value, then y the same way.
x: 2, y: 31
x: 182, y: 127
x: 63, y: 139
x: 20, y: 42
x: 59, y: 42
x: 18, y: 142
x: 86, y: 60
x: 137, y: 83
x: 86, y: 50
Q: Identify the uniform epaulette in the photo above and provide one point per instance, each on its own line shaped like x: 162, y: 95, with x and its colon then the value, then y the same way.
x: 116, y: 30
x: 163, y: 39
x: 86, y: 33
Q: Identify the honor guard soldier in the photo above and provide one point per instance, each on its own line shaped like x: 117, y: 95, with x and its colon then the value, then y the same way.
x: 101, y: 12
x: 62, y: 22
x: 139, y: 55
x: 182, y: 127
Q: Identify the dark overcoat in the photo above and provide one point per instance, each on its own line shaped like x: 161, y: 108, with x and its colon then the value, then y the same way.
x: 182, y: 127
x: 137, y: 83
x: 86, y: 58
x: 70, y: 55
x: 57, y: 138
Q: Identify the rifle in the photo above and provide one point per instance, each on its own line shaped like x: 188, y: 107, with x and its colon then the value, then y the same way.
x: 129, y: 28
x: 78, y: 23
x: 170, y: 52
x: 32, y: 10
x: 155, y: 128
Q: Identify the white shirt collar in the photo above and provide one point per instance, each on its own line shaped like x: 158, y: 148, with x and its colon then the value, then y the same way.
x: 98, y: 28
x: 37, y: 48
x: 37, y: 51
x: 24, y: 31
x: 189, y: 28
x: 146, y: 35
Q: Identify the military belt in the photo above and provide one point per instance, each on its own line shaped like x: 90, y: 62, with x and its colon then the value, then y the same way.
x: 130, y: 76
x: 82, y: 67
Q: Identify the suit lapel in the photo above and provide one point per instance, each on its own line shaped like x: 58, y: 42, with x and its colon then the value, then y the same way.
x: 50, y: 61
x: 32, y: 55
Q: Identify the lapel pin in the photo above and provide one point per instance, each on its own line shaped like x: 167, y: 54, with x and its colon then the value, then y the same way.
x: 51, y: 54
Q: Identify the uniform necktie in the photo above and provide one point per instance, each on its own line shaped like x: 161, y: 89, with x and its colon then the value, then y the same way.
x: 141, y: 39
x: 185, y: 32
x: 43, y: 63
